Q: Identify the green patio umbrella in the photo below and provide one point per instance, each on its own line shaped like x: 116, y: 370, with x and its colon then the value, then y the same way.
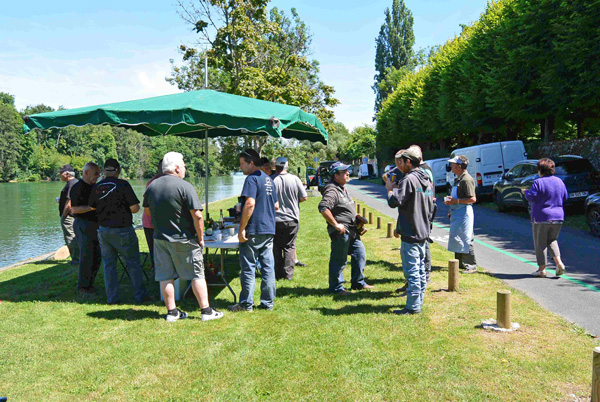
x: 198, y: 114
x: 190, y: 114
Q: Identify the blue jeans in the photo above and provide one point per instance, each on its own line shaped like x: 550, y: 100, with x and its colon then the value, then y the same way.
x: 343, y: 245
x: 258, y: 249
x: 89, y: 252
x: 413, y: 265
x: 124, y: 242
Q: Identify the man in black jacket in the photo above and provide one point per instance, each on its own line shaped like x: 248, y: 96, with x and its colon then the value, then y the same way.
x: 414, y: 200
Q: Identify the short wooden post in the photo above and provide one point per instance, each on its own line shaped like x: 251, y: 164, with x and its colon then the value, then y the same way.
x: 390, y: 233
x: 453, y: 275
x: 364, y: 214
x: 379, y: 222
x: 357, y: 208
x: 503, y: 305
x: 370, y: 218
x: 596, y: 375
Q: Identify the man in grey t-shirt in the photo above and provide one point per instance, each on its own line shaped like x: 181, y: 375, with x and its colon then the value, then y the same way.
x: 176, y: 213
x: 291, y: 193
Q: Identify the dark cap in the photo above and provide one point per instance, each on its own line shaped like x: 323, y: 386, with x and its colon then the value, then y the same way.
x: 338, y: 167
x: 411, y: 153
x: 111, y: 164
x: 67, y: 168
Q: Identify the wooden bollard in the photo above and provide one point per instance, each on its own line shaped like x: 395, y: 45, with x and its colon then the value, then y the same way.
x: 596, y: 375
x: 453, y: 275
x: 370, y: 218
x: 357, y: 208
x: 364, y: 214
x: 390, y: 233
x: 379, y: 222
x: 503, y: 307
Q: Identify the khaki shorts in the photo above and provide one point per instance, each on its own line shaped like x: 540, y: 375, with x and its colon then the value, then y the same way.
x: 174, y: 260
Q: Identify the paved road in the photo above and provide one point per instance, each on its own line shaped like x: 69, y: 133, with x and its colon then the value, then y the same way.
x: 504, y: 247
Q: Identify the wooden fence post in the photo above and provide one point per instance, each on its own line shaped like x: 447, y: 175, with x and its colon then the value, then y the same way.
x: 379, y: 222
x: 364, y: 214
x: 503, y: 306
x: 390, y: 232
x: 596, y: 375
x: 357, y: 208
x: 453, y: 275
x: 370, y: 218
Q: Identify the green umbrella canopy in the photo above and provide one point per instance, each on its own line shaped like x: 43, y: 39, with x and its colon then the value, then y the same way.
x: 189, y: 114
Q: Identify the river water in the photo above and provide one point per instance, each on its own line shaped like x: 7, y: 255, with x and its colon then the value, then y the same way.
x: 29, y: 222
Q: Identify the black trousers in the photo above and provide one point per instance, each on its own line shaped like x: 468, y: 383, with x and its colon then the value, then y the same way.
x: 149, y: 233
x: 89, y: 252
x: 284, y: 249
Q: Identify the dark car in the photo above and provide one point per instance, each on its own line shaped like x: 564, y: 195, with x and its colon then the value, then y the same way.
x: 592, y: 213
x: 576, y: 172
x: 323, y: 176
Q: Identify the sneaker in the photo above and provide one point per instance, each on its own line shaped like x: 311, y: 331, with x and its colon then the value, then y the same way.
x: 539, y: 274
x: 180, y: 316
x: 560, y: 269
x: 406, y: 311
x: 239, y: 307
x: 342, y: 292
x: 470, y: 271
x: 361, y: 287
x: 300, y: 264
x: 214, y: 315
x: 264, y: 307
x: 402, y: 289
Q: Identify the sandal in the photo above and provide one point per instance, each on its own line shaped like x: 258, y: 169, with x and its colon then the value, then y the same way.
x: 560, y: 269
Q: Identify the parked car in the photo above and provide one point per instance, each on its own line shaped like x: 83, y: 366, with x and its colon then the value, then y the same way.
x: 576, y: 172
x: 386, y: 171
x: 351, y: 170
x: 311, y: 177
x: 323, y: 176
x: 488, y: 162
x: 592, y: 213
x: 438, y: 166
x: 367, y: 170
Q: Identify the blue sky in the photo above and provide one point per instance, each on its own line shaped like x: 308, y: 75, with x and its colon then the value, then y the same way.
x: 80, y: 53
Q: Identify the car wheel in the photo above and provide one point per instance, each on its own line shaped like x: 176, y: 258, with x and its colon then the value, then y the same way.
x: 593, y: 220
x: 498, y: 201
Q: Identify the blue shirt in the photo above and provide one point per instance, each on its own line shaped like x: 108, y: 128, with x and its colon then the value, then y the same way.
x: 260, y: 187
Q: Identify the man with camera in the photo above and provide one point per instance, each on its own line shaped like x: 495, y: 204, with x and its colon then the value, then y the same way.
x: 337, y: 207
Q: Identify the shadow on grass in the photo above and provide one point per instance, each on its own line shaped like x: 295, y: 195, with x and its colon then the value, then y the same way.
x: 126, y: 314
x: 354, y: 295
x: 357, y: 309
x: 386, y: 264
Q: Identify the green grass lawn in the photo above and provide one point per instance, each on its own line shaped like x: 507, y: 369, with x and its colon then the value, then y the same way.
x: 56, y: 346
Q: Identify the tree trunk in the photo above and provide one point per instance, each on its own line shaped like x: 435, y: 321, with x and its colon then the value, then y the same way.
x: 548, y: 129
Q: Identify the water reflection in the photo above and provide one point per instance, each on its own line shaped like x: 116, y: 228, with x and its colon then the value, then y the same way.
x: 30, y: 224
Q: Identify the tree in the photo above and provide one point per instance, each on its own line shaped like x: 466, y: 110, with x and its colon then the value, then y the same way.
x: 10, y: 144
x: 393, y: 47
x: 361, y: 143
x: 253, y: 53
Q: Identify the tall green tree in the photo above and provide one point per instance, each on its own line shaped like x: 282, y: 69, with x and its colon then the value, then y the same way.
x: 11, y: 125
x: 393, y: 48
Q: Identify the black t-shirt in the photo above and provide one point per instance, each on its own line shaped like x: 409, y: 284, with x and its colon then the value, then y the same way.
x: 64, y: 196
x: 112, y: 198
x: 80, y: 196
x: 170, y: 200
x: 337, y: 199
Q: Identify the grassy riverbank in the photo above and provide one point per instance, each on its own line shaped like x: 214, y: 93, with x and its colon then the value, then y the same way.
x: 313, y: 346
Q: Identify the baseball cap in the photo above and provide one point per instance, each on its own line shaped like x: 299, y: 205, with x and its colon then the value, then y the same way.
x: 281, y: 161
x: 338, y: 166
x: 412, y: 154
x: 460, y: 159
x: 67, y: 168
x: 112, y: 164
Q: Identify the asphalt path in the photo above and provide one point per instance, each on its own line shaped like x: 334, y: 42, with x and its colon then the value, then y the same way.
x: 504, y: 247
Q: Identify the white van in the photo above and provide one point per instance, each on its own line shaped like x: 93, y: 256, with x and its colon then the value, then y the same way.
x: 488, y: 162
x: 438, y: 166
x: 367, y: 170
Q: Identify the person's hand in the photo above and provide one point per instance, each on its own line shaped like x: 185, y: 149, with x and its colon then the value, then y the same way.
x: 201, y: 243
x: 396, y: 234
x: 523, y: 190
x: 340, y: 228
x: 389, y: 185
x: 242, y: 236
x: 385, y: 177
x: 450, y: 201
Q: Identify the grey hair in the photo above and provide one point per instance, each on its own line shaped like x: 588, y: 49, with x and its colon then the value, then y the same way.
x: 170, y: 161
x: 88, y: 166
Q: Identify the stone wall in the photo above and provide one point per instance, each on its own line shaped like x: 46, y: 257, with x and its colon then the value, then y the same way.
x: 587, y: 147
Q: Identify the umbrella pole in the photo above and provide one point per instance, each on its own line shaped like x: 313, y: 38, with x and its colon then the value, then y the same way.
x: 206, y: 172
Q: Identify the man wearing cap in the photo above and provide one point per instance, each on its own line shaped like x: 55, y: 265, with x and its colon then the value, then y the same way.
x: 176, y: 213
x: 115, y: 202
x: 67, y: 173
x: 256, y: 232
x: 414, y: 200
x: 337, y: 207
x: 460, y: 201
x: 290, y: 193
x: 86, y: 228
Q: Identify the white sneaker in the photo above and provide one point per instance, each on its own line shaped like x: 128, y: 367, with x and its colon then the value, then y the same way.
x: 560, y: 269
x: 214, y: 315
x: 180, y: 316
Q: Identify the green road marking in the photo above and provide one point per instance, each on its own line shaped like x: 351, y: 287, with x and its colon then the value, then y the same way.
x: 507, y: 253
